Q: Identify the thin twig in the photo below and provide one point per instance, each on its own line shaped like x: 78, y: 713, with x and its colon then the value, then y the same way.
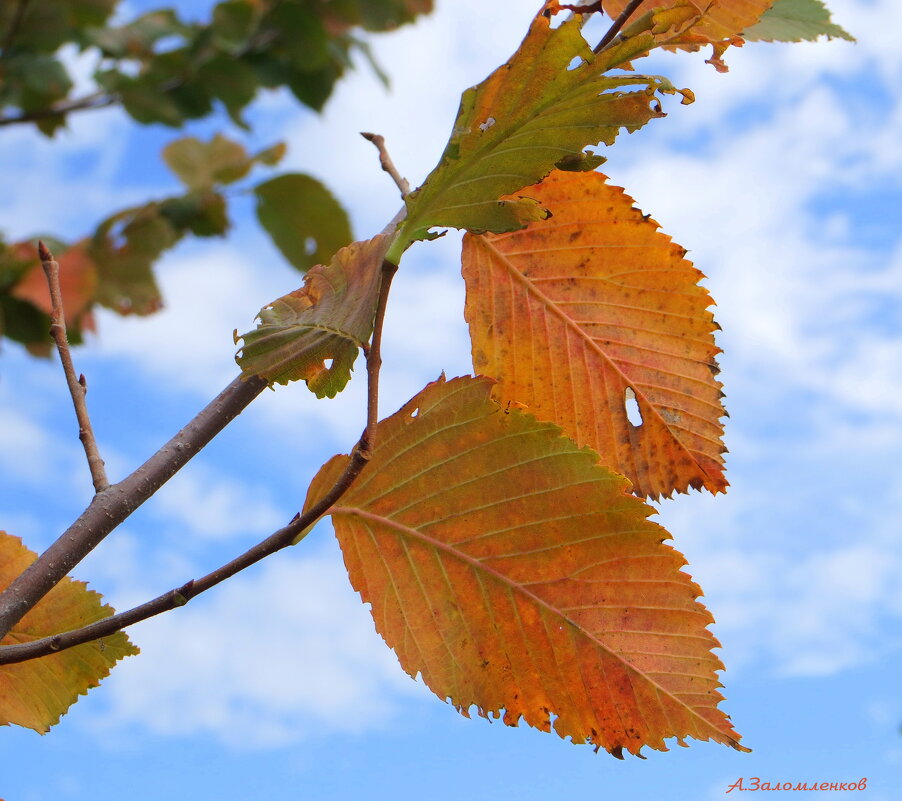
x: 92, y: 101
x: 78, y: 389
x: 618, y: 24
x: 582, y: 10
x: 275, y: 542
x: 13, y: 29
x: 109, y: 508
x: 387, y: 164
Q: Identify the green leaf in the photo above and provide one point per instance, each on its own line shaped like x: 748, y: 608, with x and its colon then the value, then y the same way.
x: 303, y: 218
x: 35, y: 81
x: 47, y: 24
x: 200, y: 165
x: 137, y: 39
x: 203, y: 213
x: 374, y: 15
x: 36, y: 693
x: 21, y: 322
x: 233, y: 23
x: 124, y: 249
x: 795, y: 21
x: 232, y: 81
x: 302, y: 36
x: 327, y: 320
x: 145, y: 103
x: 16, y: 259
x: 530, y: 115
x: 313, y: 89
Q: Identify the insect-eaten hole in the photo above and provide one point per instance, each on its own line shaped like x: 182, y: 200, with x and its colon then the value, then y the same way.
x: 310, y: 245
x: 489, y: 122
x: 633, y: 413
x: 575, y: 63
x: 327, y: 363
x: 415, y: 413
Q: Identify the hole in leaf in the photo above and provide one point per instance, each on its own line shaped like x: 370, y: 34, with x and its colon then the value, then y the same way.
x: 415, y: 412
x: 310, y: 246
x: 327, y: 363
x: 633, y: 413
x: 489, y: 122
x: 575, y: 63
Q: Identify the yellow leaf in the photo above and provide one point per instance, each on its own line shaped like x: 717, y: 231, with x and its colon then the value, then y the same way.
x: 36, y: 693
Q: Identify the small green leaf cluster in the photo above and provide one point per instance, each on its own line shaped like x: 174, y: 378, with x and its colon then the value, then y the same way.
x: 163, y: 69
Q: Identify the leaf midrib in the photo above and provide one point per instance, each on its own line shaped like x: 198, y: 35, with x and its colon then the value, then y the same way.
x: 482, y: 569
x: 570, y: 323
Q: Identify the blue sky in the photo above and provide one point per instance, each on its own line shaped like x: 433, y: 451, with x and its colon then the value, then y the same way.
x: 784, y: 181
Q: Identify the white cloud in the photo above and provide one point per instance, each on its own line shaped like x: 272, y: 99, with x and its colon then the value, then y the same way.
x: 209, y: 292
x: 200, y: 501
x: 280, y: 653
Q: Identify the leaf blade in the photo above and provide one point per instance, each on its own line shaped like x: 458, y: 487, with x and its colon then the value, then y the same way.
x: 720, y: 19
x: 509, y: 569
x: 795, y: 21
x: 329, y: 318
x: 572, y: 314
x: 528, y: 116
x: 36, y: 693
x: 304, y: 219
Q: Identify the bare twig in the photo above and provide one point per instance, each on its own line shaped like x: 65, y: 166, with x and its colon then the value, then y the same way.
x: 387, y: 164
x: 275, y: 542
x: 110, y: 507
x: 374, y: 355
x: 92, y: 101
x: 77, y: 386
x: 617, y: 25
x: 583, y: 10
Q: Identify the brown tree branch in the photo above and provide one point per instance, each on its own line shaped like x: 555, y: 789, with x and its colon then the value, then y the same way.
x: 618, y: 24
x: 114, y: 504
x: 387, y: 164
x: 77, y: 387
x: 282, y: 538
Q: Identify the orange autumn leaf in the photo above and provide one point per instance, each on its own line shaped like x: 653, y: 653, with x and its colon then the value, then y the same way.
x: 78, y: 284
x: 720, y: 19
x: 576, y: 315
x: 516, y: 574
x: 36, y: 693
